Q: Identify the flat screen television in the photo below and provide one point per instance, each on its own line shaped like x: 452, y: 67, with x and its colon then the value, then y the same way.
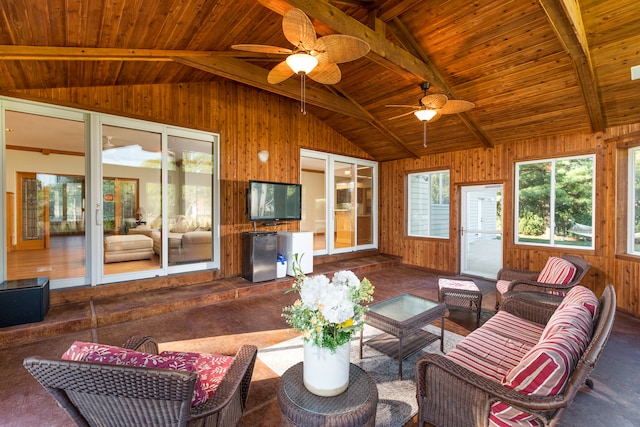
x: 274, y: 201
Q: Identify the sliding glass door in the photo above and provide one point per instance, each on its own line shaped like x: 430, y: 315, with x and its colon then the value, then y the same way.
x: 339, y: 202
x: 92, y: 199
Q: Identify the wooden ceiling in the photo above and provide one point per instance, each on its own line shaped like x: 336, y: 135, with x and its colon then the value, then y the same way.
x: 532, y: 68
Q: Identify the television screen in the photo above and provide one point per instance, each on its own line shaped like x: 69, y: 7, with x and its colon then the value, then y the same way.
x: 274, y: 201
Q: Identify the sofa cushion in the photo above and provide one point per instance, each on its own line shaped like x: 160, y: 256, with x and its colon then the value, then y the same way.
x: 581, y: 296
x: 502, y: 286
x: 497, y: 346
x: 557, y: 271
x: 503, y: 415
x: 210, y: 368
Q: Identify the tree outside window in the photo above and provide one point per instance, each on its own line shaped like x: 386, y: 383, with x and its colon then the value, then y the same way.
x: 555, y: 202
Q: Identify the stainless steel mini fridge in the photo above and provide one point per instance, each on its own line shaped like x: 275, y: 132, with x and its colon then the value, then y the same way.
x: 259, y: 256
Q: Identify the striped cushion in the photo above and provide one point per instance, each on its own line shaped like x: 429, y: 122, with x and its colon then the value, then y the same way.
x: 502, y: 286
x: 544, y: 371
x: 557, y: 271
x: 582, y: 296
x: 497, y: 347
x: 467, y: 285
x: 503, y: 415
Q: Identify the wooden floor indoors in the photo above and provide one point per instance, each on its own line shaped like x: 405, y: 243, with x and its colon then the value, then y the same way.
x: 252, y: 314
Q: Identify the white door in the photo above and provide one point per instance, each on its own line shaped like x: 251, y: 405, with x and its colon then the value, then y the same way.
x: 481, y: 230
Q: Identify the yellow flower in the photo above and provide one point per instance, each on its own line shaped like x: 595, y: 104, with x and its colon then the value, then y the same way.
x: 347, y: 323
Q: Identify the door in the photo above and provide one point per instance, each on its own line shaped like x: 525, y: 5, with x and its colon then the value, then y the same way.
x: 481, y: 230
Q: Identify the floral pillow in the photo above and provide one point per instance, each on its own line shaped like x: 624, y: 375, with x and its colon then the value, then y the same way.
x: 210, y: 368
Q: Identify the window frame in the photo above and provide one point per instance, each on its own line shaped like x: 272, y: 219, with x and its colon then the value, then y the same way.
x: 552, y: 202
x: 410, y: 204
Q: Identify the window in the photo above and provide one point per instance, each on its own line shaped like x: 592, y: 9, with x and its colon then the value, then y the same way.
x: 634, y: 202
x: 555, y: 202
x: 428, y: 204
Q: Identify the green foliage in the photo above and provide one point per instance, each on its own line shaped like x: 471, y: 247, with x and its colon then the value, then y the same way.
x: 531, y: 225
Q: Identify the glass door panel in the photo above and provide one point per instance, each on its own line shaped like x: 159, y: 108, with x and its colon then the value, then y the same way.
x: 45, y: 173
x: 314, y: 200
x: 344, y: 206
x: 131, y: 194
x: 365, y: 205
x: 190, y: 196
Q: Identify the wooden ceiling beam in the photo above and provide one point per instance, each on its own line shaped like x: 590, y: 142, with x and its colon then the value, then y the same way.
x: 565, y: 18
x: 252, y: 75
x: 46, y: 53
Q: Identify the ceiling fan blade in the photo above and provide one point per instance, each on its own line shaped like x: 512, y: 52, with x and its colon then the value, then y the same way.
x: 326, y: 73
x: 400, y: 105
x: 341, y: 48
x: 262, y: 48
x: 434, y: 101
x: 298, y: 29
x: 456, y: 106
x: 400, y: 115
x: 279, y: 73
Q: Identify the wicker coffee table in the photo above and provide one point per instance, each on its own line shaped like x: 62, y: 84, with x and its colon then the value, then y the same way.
x: 354, y: 407
x: 402, y: 319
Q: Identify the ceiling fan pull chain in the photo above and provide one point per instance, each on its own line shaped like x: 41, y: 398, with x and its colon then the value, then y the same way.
x: 303, y: 95
x: 424, y: 137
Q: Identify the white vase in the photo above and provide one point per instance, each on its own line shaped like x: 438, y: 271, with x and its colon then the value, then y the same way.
x: 326, y: 373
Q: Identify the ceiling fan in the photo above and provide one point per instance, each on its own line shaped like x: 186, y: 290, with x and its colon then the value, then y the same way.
x: 316, y: 57
x: 431, y: 107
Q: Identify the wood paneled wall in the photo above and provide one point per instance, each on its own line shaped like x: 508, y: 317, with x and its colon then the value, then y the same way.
x: 497, y: 165
x: 248, y: 120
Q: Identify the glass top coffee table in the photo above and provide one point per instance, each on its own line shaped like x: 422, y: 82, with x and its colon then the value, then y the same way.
x: 401, y: 319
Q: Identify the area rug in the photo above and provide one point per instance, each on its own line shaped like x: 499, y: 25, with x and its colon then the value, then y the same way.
x: 396, y: 399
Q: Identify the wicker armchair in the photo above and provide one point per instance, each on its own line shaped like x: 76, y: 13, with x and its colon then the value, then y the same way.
x: 525, y: 280
x: 115, y: 395
x: 450, y: 395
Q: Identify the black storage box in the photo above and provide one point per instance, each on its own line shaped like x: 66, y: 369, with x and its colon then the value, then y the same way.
x: 23, y: 301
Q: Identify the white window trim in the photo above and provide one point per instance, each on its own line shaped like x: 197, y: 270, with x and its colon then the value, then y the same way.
x: 409, y: 203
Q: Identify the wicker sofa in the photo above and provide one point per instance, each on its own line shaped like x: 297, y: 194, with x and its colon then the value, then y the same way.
x: 524, y: 366
x: 144, y: 394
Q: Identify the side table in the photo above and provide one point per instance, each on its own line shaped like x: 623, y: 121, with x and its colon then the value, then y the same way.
x: 23, y: 301
x: 460, y: 292
x: 355, y: 407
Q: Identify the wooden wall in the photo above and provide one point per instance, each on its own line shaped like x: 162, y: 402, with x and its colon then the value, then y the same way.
x: 497, y: 165
x: 248, y: 120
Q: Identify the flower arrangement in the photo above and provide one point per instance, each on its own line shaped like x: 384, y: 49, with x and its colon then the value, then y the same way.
x: 327, y: 313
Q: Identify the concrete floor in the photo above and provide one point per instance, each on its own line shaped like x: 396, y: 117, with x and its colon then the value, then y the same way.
x: 256, y: 319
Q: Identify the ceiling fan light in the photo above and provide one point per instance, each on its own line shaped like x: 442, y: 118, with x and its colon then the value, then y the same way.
x: 302, y: 62
x: 425, y: 115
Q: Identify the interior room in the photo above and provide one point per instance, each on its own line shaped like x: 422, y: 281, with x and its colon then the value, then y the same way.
x: 427, y: 139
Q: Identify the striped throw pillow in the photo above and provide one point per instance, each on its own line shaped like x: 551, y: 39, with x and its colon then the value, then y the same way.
x: 557, y: 271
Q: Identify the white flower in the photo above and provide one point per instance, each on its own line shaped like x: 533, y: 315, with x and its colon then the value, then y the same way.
x: 312, y: 291
x: 337, y: 306
x: 346, y: 278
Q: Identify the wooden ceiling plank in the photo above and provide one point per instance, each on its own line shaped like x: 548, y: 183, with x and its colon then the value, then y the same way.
x: 401, y: 32
x: 567, y: 24
x: 243, y: 72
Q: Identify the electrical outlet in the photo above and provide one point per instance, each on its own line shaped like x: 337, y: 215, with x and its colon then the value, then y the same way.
x: 635, y: 72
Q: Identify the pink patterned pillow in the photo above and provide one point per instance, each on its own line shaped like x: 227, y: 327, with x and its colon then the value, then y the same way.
x: 557, y: 271
x: 503, y: 415
x: 100, y: 353
x: 211, y: 368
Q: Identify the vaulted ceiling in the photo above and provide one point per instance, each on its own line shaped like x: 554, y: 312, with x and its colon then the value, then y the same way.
x: 532, y: 68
